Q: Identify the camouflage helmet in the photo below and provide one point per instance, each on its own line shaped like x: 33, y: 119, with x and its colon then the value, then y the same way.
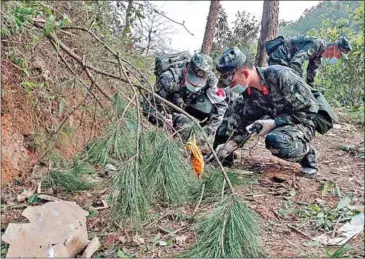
x: 230, y: 60
x: 197, y: 72
x: 343, y: 44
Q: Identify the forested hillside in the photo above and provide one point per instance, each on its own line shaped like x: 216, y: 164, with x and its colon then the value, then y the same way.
x: 312, y: 18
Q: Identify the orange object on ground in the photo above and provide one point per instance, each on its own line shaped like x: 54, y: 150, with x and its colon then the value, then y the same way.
x: 197, y: 160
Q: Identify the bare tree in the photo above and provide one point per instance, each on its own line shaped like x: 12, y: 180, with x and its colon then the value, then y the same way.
x: 210, y: 27
x: 269, y: 27
x: 153, y: 34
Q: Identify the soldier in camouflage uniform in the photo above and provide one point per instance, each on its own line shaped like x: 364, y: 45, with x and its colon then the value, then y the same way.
x: 194, y: 89
x: 295, y: 51
x: 277, y: 93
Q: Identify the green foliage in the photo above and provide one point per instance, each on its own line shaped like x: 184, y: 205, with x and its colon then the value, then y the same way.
x: 64, y: 21
x: 212, y: 178
x: 17, y: 14
x: 30, y: 86
x: 242, y: 34
x: 92, y: 212
x: 168, y: 174
x: 341, y: 252
x: 312, y: 18
x: 67, y: 181
x: 118, y: 141
x: 50, y: 23
x: 325, y: 217
x: 129, y: 198
x: 230, y: 231
x: 330, y: 186
x: 33, y: 199
x: 341, y: 83
x: 70, y: 179
x: 4, y: 249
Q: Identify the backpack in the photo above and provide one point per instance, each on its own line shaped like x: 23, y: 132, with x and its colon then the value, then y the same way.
x: 325, y: 116
x: 272, y: 45
x: 169, y: 61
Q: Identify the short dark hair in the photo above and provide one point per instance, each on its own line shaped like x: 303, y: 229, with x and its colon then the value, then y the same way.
x: 248, y: 64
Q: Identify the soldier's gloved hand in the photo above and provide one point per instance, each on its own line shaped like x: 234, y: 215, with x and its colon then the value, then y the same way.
x: 267, y: 126
x: 223, y: 150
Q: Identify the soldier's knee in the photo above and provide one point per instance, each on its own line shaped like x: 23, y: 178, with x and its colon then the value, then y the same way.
x: 277, y: 143
x: 274, y: 140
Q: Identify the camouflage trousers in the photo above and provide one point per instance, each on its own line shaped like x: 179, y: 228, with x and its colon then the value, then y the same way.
x: 290, y: 142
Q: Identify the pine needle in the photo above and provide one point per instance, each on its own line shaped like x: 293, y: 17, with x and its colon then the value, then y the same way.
x: 168, y: 174
x: 230, y: 231
x: 189, y: 130
x: 213, y: 180
x: 70, y: 180
x: 118, y: 140
x: 117, y: 144
x: 130, y: 205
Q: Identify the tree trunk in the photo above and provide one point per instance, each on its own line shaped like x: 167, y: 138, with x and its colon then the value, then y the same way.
x: 127, y: 26
x: 210, y: 27
x: 269, y: 27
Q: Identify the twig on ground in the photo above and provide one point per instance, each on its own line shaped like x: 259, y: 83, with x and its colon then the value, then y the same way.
x: 299, y: 231
x: 335, y: 227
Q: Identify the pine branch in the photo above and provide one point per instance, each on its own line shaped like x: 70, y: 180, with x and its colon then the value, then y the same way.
x: 168, y: 168
x: 231, y: 231
x: 130, y: 204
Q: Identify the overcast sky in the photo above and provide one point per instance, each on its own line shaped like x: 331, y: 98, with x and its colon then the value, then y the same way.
x: 195, y: 13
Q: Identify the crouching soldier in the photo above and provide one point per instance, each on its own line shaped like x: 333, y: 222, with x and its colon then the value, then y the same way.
x: 277, y: 94
x: 193, y: 88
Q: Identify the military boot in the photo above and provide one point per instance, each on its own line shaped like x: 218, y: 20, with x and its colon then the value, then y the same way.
x: 309, y: 164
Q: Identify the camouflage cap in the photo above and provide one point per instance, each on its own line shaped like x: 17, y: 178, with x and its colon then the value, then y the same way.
x: 344, y: 45
x: 197, y: 72
x: 201, y: 62
x: 230, y: 60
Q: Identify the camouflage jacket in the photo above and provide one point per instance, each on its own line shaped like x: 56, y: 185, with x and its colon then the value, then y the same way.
x: 306, y: 48
x: 289, y: 101
x: 208, y: 103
